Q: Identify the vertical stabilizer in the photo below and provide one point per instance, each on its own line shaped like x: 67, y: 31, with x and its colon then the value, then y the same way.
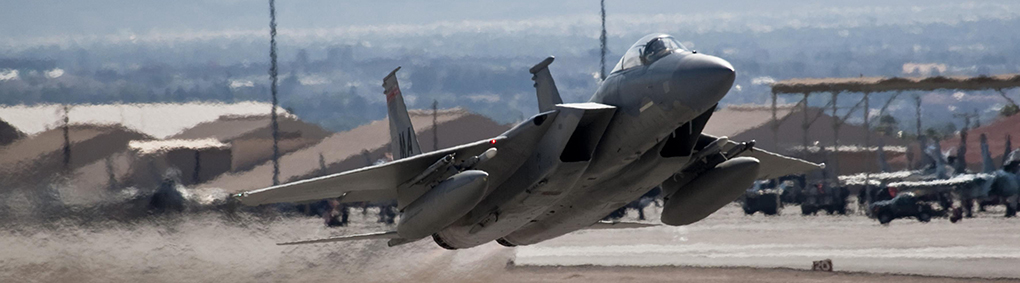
x: 934, y: 151
x: 987, y: 165
x: 882, y: 164
x: 403, y: 141
x: 1009, y: 147
x: 960, y: 165
x: 926, y: 159
x: 545, y: 87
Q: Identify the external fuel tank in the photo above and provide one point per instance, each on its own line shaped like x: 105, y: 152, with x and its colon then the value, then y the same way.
x: 443, y: 204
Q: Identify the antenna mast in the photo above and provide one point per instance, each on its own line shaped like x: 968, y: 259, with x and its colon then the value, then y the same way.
x: 272, y: 75
x: 602, y: 44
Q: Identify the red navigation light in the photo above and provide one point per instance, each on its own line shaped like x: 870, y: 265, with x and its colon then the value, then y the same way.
x: 492, y: 141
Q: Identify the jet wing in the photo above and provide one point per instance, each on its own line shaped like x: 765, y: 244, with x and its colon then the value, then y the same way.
x: 602, y: 225
x: 776, y: 165
x: 962, y: 179
x: 373, y: 183
x: 367, y: 236
x: 393, y: 180
x: 773, y: 165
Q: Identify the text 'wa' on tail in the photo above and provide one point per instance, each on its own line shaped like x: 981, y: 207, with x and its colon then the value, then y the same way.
x: 403, y: 141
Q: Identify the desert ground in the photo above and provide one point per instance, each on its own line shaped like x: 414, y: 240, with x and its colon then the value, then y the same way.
x: 726, y: 247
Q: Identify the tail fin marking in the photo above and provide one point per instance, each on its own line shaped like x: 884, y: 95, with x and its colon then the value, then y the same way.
x: 403, y: 141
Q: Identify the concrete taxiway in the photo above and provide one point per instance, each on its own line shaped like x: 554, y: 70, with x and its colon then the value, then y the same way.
x: 985, y: 247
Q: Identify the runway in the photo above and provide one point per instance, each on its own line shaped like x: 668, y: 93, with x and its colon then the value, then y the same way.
x: 726, y: 247
x: 987, y: 246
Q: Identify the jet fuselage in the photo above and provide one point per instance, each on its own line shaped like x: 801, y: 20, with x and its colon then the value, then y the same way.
x: 654, y: 91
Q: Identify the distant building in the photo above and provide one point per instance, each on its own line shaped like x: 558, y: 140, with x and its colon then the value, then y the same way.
x: 142, y: 165
x: 8, y: 133
x: 361, y: 146
x: 100, y: 158
x: 193, y: 161
x: 159, y: 120
x: 251, y: 137
x: 38, y: 158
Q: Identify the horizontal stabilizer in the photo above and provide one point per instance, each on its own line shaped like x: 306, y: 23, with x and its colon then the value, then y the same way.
x: 620, y: 225
x: 368, y: 236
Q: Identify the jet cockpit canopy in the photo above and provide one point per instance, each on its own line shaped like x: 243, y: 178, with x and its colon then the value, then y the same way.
x: 648, y: 49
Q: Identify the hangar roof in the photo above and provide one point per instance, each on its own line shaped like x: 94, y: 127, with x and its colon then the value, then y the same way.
x: 361, y: 146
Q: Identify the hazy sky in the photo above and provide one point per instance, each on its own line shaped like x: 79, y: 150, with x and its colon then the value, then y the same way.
x: 25, y: 21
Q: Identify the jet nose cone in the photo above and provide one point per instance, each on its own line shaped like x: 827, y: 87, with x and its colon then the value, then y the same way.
x: 708, y: 79
x: 715, y: 66
x: 713, y: 71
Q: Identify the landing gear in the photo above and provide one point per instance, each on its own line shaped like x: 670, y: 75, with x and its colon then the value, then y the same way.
x: 387, y: 214
x: 968, y: 207
x: 439, y: 241
x: 505, y: 243
x: 807, y: 209
x: 924, y: 217
x: 957, y: 215
x: 885, y: 218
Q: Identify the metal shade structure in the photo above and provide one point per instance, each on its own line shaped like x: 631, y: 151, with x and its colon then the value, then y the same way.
x: 884, y: 84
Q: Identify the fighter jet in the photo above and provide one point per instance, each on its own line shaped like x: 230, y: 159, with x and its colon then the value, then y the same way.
x: 567, y: 167
x: 1001, y: 184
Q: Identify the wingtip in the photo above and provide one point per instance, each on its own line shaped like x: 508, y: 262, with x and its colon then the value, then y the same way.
x: 295, y: 243
x: 245, y: 199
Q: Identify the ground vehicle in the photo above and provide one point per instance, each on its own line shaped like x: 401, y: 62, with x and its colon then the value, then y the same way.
x: 762, y: 197
x: 822, y: 197
x: 793, y: 187
x: 905, y: 204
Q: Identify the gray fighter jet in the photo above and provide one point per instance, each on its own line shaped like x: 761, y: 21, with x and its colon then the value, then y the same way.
x: 567, y: 167
x: 1000, y: 184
